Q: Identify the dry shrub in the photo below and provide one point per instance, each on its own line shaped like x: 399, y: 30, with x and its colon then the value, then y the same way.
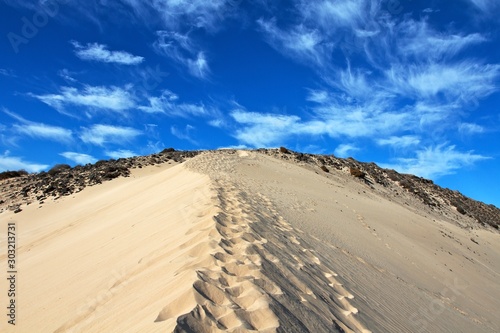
x: 58, y: 168
x: 357, y: 173
x: 12, y: 174
x: 284, y: 150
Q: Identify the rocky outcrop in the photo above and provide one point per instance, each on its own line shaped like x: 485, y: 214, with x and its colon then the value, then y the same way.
x: 428, y: 193
x: 18, y: 187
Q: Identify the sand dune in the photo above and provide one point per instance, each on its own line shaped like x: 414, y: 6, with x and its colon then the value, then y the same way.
x: 243, y: 242
x: 114, y: 258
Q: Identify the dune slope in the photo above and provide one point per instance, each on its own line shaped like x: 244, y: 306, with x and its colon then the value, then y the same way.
x: 238, y: 241
x: 118, y: 257
x: 347, y: 258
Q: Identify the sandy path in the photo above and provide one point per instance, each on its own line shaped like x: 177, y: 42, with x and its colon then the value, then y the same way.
x: 302, y: 291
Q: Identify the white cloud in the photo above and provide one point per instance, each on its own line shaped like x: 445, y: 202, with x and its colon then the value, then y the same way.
x: 181, y: 49
x: 321, y: 27
x: 409, y: 79
x: 359, y: 86
x: 331, y: 118
x: 263, y: 130
x: 218, y: 122
x: 436, y: 161
x: 101, y: 134
x: 105, y: 98
x: 79, y: 158
x: 317, y: 96
x: 121, y: 153
x: 198, y: 67
x: 40, y: 130
x: 465, y: 81
x: 100, y: 53
x: 160, y: 104
x: 345, y: 150
x: 234, y: 147
x: 470, y: 129
x: 66, y: 75
x: 168, y: 103
x: 43, y: 131
x: 431, y: 10
x: 7, y: 72
x: 485, y: 5
x: 417, y: 39
x: 399, y: 141
x: 186, y: 13
x: 17, y: 163
x: 332, y: 15
x: 300, y: 42
x: 183, y: 134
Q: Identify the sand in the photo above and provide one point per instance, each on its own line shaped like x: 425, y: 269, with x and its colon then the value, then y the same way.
x: 119, y: 257
x: 243, y: 242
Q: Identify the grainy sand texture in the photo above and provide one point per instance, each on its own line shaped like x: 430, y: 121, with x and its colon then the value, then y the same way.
x: 238, y: 241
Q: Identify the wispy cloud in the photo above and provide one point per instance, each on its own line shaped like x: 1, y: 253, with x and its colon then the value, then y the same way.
x: 470, y: 129
x: 79, y: 158
x: 102, y: 134
x: 399, y: 141
x: 93, y: 97
x: 194, y: 13
x: 184, y: 134
x: 390, y: 79
x: 100, y: 53
x: 168, y: 103
x: 300, y: 43
x: 465, y: 81
x: 66, y: 75
x: 317, y: 96
x: 345, y: 150
x: 198, y: 66
x: 8, y: 162
x: 331, y: 118
x: 7, y: 72
x: 40, y: 130
x: 436, y: 161
x: 181, y: 49
x: 43, y: 131
x: 485, y: 5
x: 120, y: 153
x: 417, y: 40
x: 333, y: 15
x: 263, y: 130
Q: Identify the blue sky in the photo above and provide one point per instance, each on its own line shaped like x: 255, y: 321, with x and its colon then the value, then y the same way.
x: 410, y: 85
